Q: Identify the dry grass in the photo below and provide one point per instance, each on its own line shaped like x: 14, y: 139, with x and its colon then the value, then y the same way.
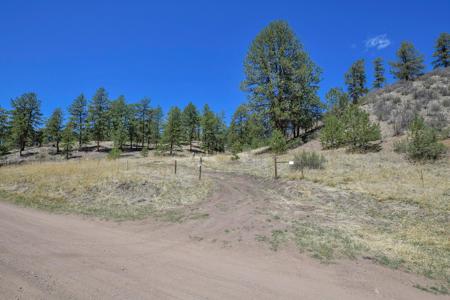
x: 110, y: 189
x: 381, y: 206
x: 376, y: 205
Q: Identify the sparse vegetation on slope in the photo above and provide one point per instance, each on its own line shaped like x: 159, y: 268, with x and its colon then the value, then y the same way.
x: 396, y: 105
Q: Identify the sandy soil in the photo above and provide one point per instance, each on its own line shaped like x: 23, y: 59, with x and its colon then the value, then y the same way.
x: 44, y: 256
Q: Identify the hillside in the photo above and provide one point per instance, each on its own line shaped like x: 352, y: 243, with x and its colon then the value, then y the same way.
x: 395, y: 105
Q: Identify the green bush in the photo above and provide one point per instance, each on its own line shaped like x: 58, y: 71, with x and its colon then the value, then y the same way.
x: 308, y: 160
x: 114, y: 153
x: 278, y: 142
x: 359, y: 131
x: 332, y: 134
x: 352, y: 128
x: 401, y: 146
x: 144, y: 152
x: 423, y: 142
x: 236, y: 148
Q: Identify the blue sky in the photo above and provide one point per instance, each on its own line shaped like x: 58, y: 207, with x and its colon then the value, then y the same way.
x: 180, y: 51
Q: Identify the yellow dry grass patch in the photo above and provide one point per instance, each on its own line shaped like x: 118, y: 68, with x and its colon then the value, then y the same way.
x: 118, y: 189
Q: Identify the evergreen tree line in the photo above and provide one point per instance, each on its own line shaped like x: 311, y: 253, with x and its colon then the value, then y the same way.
x: 282, y: 83
x: 345, y: 124
x: 130, y: 126
x: 408, y: 66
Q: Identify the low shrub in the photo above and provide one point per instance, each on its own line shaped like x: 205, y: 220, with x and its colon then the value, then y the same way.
x: 401, y: 118
x: 236, y: 148
x: 308, y: 160
x: 446, y: 102
x: 114, y: 153
x: 423, y: 142
x: 353, y: 128
x: 144, y: 152
x: 359, y: 131
x: 332, y: 134
x: 401, y: 146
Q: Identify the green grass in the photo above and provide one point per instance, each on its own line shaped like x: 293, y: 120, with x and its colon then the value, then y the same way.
x: 325, y: 243
x: 275, y: 240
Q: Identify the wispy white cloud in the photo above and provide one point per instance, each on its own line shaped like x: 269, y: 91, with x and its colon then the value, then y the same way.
x: 379, y: 42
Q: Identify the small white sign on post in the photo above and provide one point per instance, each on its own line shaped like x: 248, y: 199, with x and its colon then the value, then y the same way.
x: 291, y: 162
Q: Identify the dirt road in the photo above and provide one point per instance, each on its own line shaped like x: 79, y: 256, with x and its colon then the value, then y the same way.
x: 44, y: 256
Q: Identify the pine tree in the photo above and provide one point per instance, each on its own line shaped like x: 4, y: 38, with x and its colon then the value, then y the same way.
x: 54, y: 127
x: 78, y: 114
x: 410, y: 63
x: 26, y: 116
x: 172, y: 134
x: 442, y: 51
x: 238, y: 133
x: 278, y: 142
x: 209, y: 123
x: 191, y: 122
x: 379, y: 73
x: 337, y: 101
x: 118, y: 115
x: 98, y: 116
x: 131, y: 123
x: 144, y: 114
x: 355, y: 79
x: 4, y: 130
x: 221, y: 132
x: 156, y: 125
x: 281, y: 79
x: 68, y: 139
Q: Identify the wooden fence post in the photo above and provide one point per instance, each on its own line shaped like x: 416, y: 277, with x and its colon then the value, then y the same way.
x: 200, y: 169
x: 275, y: 167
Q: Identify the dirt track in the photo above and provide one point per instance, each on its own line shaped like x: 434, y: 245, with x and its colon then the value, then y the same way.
x: 45, y: 256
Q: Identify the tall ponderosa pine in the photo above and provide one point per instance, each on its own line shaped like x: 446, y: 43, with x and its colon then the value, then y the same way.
x: 441, y: 55
x: 281, y: 79
x: 68, y: 139
x: 78, y: 114
x: 143, y: 115
x: 379, y: 73
x: 173, y: 133
x: 213, y: 131
x: 98, y: 116
x: 4, y: 130
x: 119, y: 120
x: 132, y: 123
x: 191, y: 122
x: 238, y: 133
x: 54, y: 127
x: 410, y: 63
x: 355, y: 79
x: 156, y: 125
x: 26, y: 116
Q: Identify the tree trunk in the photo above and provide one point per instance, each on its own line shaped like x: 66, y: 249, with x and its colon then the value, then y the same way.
x: 171, y: 147
x: 98, y: 146
x: 57, y: 146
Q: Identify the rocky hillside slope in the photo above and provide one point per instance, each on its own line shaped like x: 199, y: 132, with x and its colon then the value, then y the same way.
x: 396, y: 105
